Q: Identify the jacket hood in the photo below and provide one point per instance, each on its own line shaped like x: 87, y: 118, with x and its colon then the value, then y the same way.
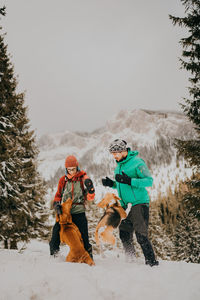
x: 130, y: 155
x: 77, y: 175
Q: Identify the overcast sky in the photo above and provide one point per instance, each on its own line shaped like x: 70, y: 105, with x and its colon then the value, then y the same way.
x: 82, y: 61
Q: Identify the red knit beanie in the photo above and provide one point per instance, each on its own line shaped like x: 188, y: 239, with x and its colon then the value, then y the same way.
x: 71, y: 161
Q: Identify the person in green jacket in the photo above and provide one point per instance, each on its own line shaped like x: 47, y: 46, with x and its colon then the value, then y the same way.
x: 131, y: 179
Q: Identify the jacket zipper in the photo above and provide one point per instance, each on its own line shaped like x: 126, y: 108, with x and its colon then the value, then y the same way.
x: 131, y: 187
x: 120, y: 187
x: 133, y: 193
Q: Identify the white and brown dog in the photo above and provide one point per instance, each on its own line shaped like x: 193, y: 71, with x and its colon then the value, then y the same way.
x: 111, y: 219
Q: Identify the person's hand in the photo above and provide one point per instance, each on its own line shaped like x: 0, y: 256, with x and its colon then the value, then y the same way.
x: 123, y: 178
x: 89, y: 186
x: 58, y: 208
x: 107, y: 182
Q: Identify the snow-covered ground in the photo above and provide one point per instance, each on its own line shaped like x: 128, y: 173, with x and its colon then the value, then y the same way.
x: 33, y: 275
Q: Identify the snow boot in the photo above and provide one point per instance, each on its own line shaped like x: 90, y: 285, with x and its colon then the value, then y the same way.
x: 54, y: 254
x: 147, y: 250
x: 152, y: 263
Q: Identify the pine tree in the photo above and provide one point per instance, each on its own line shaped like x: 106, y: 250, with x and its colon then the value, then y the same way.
x: 22, y: 205
x: 191, y: 62
x: 186, y: 239
x: 190, y: 149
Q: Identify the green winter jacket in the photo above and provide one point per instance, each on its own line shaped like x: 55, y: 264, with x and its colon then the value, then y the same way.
x: 135, y: 168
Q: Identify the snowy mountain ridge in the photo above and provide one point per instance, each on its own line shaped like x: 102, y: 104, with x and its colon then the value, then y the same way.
x: 152, y: 133
x: 140, y: 124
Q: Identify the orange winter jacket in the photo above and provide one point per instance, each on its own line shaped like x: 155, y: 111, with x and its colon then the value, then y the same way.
x: 80, y: 176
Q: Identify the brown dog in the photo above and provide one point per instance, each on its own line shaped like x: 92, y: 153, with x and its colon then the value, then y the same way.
x: 70, y: 235
x: 111, y: 219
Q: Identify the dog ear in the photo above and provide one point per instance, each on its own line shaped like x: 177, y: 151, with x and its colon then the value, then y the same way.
x: 101, y: 204
x: 115, y: 197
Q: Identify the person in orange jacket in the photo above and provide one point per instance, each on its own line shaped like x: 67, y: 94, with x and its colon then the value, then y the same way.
x: 75, y: 184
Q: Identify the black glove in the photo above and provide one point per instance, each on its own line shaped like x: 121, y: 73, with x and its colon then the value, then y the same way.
x: 107, y: 182
x: 58, y: 208
x: 123, y: 178
x: 89, y: 186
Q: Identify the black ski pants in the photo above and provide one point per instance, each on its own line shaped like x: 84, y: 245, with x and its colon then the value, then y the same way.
x: 137, y: 221
x: 81, y: 222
